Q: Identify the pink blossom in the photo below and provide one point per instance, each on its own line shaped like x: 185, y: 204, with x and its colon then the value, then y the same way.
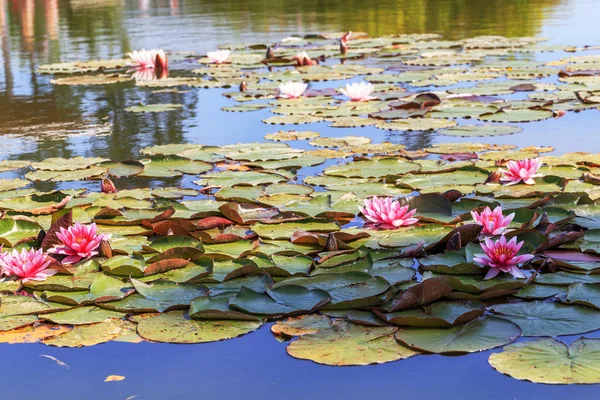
x: 359, y: 91
x: 29, y: 265
x: 502, y: 256
x: 292, y: 90
x: 79, y: 242
x: 148, y: 59
x: 521, y: 170
x: 493, y: 222
x: 387, y: 213
x: 218, y: 56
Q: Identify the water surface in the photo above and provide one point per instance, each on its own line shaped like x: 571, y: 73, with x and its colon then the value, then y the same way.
x: 36, y: 115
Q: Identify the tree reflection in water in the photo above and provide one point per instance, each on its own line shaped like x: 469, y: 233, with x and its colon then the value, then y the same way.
x: 34, y: 32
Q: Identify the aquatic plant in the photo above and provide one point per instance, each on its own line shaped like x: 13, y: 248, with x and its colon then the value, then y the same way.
x: 502, y: 256
x: 107, y: 186
x: 493, y: 222
x: 359, y: 91
x: 218, y: 56
x: 148, y: 59
x: 292, y: 90
x: 27, y: 265
x: 521, y: 170
x: 387, y: 213
x: 78, y: 242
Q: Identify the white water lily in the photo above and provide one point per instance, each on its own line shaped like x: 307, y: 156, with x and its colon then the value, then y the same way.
x: 218, y: 56
x: 292, y: 90
x: 359, y: 91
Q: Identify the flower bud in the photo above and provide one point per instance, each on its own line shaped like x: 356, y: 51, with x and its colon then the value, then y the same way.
x: 107, y: 186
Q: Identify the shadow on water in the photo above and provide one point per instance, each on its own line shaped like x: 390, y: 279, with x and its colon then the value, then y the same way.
x: 34, y: 32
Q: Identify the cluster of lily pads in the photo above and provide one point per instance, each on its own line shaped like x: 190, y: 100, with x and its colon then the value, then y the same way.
x: 249, y: 241
x: 410, y: 82
x: 385, y: 254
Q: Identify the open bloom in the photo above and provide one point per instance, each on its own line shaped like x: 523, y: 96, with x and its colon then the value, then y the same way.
x: 359, y: 91
x: 148, y: 59
x: 521, y: 170
x: 29, y: 265
x: 219, y: 56
x: 493, y: 222
x: 387, y: 213
x: 292, y: 90
x: 502, y: 256
x: 79, y: 242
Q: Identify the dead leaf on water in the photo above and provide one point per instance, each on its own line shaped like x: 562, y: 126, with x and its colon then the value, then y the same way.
x: 114, y: 378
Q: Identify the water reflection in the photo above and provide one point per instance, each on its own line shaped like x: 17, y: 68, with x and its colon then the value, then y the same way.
x: 34, y: 32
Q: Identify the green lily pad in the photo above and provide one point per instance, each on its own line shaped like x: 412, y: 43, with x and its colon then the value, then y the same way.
x: 586, y: 294
x: 442, y: 314
x: 174, y: 327
x: 479, y: 130
x: 373, y: 168
x: 551, y: 361
x: 350, y: 344
x: 523, y: 115
x: 153, y: 108
x: 539, y: 318
x: 15, y: 230
x: 92, y: 334
x: 480, y: 334
x: 82, y: 316
x: 302, y: 325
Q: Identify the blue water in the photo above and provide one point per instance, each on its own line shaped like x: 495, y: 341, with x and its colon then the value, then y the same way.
x: 254, y: 366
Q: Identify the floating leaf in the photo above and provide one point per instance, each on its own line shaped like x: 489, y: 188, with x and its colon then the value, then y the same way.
x: 539, y: 318
x: 479, y: 130
x: 481, y: 334
x: 153, y: 108
x: 174, y: 327
x: 550, y: 361
x: 350, y: 344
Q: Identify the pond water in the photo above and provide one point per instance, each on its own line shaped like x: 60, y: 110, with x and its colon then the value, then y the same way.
x: 40, y: 120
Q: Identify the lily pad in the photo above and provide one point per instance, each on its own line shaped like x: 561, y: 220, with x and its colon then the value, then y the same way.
x: 479, y: 130
x: 551, y: 361
x: 175, y: 327
x: 350, y: 344
x: 481, y: 334
x: 538, y: 318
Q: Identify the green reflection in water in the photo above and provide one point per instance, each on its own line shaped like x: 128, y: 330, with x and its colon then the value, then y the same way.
x: 34, y: 32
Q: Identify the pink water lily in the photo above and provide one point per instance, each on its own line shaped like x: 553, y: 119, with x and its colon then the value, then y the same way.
x: 218, y: 56
x: 521, y: 170
x: 388, y: 213
x: 28, y: 266
x: 148, y: 59
x: 493, y: 222
x: 292, y: 90
x: 78, y: 242
x: 502, y: 256
x: 359, y: 91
